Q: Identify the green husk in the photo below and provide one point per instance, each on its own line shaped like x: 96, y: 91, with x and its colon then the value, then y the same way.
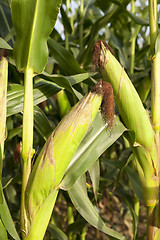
x: 135, y: 117
x: 53, y: 160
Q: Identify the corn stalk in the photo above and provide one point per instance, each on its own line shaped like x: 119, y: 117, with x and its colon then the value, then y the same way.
x: 153, y: 214
x: 33, y: 22
x: 3, y: 107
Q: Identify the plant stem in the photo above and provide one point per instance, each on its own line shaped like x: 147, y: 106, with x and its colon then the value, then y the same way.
x: 81, y: 25
x: 155, y: 93
x: 153, y: 18
x: 66, y: 33
x: 72, y: 18
x: 70, y: 219
x: 155, y: 75
x: 27, y: 141
x: 133, y: 41
x: 151, y: 229
x: 155, y: 100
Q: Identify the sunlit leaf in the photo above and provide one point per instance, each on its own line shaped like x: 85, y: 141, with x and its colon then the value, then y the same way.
x: 42, y: 91
x: 3, y: 233
x: 4, y: 44
x: 97, y: 140
x: 64, y: 58
x: 33, y: 22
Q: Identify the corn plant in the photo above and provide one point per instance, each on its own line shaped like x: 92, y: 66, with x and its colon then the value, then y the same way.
x: 41, y: 184
x: 56, y: 152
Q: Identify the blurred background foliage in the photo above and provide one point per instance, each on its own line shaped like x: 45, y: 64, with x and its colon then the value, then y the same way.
x: 80, y: 24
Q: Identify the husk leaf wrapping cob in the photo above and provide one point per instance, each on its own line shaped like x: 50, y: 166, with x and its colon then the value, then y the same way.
x: 135, y: 117
x: 53, y: 160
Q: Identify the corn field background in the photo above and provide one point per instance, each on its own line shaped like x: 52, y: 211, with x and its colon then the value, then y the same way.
x: 79, y: 119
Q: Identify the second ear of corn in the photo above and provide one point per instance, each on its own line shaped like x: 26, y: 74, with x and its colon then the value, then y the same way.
x: 135, y: 117
x: 53, y: 160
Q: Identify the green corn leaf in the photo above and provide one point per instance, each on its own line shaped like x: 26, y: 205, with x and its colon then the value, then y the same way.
x: 66, y: 22
x: 99, y: 24
x: 14, y: 132
x: 143, y: 88
x: 135, y: 183
x: 94, y: 173
x: 33, y: 21
x: 7, y: 220
x: 134, y: 219
x: 4, y: 44
x: 96, y: 141
x: 62, y: 55
x: 77, y: 226
x: 57, y: 232
x: 85, y: 207
x: 41, y: 123
x: 42, y: 91
x: 67, y: 82
x: 137, y: 19
x: 3, y: 233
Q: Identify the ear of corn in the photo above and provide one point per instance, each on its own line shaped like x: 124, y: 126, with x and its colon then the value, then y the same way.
x: 53, y: 160
x: 136, y: 119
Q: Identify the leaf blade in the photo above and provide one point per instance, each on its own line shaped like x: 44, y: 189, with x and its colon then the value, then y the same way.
x: 33, y: 22
x: 94, y: 144
x: 87, y: 210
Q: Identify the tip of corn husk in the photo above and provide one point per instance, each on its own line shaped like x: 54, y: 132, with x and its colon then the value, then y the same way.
x: 107, y: 105
x: 98, y: 48
x: 3, y: 54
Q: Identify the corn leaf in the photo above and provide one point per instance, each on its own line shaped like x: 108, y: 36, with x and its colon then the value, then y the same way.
x: 85, y: 207
x: 3, y: 233
x: 7, y: 220
x: 41, y: 123
x: 135, y: 183
x: 97, y: 140
x: 62, y: 55
x: 66, y: 22
x: 4, y: 44
x: 94, y: 173
x: 99, y: 24
x: 67, y: 82
x: 33, y: 21
x: 57, y: 232
x: 42, y: 91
